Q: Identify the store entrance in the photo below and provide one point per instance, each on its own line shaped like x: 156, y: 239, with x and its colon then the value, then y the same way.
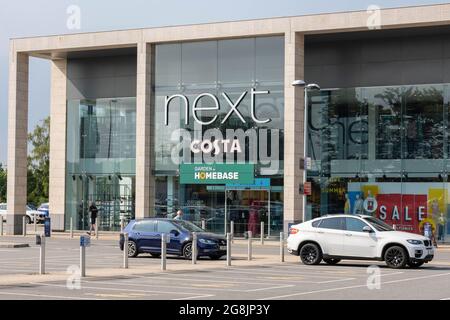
x: 247, y: 209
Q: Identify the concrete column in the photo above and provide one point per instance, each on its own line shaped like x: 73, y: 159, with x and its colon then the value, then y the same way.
x: 145, y: 181
x: 58, y: 113
x: 293, y: 127
x: 17, y: 141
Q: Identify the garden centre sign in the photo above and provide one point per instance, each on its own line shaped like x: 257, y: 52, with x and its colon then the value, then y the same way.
x: 217, y: 173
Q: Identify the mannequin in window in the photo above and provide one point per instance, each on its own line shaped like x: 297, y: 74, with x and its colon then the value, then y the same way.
x: 411, y: 136
x: 253, y: 220
x: 359, y: 205
x: 347, y: 205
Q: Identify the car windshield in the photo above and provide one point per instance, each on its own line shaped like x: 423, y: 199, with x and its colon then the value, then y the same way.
x: 31, y: 207
x: 378, y: 224
x: 189, y: 226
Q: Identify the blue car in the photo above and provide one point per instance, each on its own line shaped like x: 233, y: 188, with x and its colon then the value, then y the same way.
x: 43, y: 209
x: 145, y: 237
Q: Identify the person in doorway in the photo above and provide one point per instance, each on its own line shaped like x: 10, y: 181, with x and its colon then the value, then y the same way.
x: 179, y: 215
x: 441, y: 227
x: 93, y: 210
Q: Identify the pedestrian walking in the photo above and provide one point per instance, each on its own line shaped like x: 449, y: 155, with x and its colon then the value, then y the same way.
x: 94, y: 213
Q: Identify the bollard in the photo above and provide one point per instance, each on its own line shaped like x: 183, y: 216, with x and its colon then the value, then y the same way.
x: 262, y: 232
x: 203, y: 224
x: 1, y: 226
x: 250, y: 240
x: 34, y: 222
x: 82, y: 261
x: 194, y: 248
x: 125, y: 250
x: 228, y: 249
x: 122, y: 224
x: 71, y: 227
x: 42, y: 255
x: 24, y: 226
x: 96, y: 228
x: 232, y: 231
x: 281, y: 246
x: 163, y: 252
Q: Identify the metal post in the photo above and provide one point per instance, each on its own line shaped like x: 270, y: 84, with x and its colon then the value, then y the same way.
x: 250, y: 240
x: 203, y: 224
x: 34, y: 222
x: 262, y: 232
x: 96, y: 228
x: 122, y: 224
x: 228, y: 249
x: 226, y: 209
x: 163, y: 252
x: 194, y: 248
x: 281, y: 246
x: 71, y: 227
x: 82, y: 261
x: 125, y: 251
x: 24, y: 225
x: 42, y: 255
x: 1, y: 226
x: 232, y: 231
x: 305, y: 148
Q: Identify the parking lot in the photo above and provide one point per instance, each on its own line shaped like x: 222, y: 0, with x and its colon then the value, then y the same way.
x: 263, y: 278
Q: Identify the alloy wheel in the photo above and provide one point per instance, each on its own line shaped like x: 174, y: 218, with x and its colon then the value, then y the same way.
x: 131, y: 249
x: 309, y: 254
x: 187, y: 251
x: 395, y: 257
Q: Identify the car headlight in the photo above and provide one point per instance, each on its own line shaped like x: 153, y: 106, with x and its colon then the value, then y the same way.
x: 206, y: 241
x: 414, y: 241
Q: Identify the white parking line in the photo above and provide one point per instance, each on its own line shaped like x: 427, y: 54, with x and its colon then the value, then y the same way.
x: 44, y: 296
x: 122, y: 290
x: 352, y: 287
x: 272, y: 273
x: 153, y: 285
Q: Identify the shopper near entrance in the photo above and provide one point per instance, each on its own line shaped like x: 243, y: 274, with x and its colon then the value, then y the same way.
x: 94, y: 213
x: 179, y: 215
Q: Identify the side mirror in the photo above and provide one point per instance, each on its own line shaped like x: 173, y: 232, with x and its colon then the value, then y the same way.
x: 367, y: 229
x: 175, y: 233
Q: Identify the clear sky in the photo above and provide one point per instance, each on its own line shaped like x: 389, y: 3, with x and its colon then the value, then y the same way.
x: 24, y: 18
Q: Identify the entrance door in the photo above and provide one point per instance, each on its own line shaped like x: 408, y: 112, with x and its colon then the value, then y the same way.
x: 247, y: 209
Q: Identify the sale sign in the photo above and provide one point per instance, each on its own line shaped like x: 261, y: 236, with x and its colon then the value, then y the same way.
x: 405, y: 211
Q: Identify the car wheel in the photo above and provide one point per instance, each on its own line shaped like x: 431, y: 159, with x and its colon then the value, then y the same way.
x: 27, y: 220
x: 215, y: 256
x: 331, y: 260
x: 310, y: 254
x: 187, y: 251
x: 132, y: 249
x: 415, y: 263
x: 396, y: 257
x: 155, y: 255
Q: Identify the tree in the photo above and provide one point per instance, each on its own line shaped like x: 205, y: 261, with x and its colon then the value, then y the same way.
x: 2, y: 184
x: 39, y: 163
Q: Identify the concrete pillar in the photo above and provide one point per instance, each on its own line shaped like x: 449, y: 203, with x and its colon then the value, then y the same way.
x: 58, y: 113
x: 17, y: 141
x: 145, y: 181
x: 293, y: 127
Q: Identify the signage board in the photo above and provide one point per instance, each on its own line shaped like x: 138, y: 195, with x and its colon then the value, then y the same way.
x: 258, y: 184
x: 307, y: 189
x: 217, y: 173
x: 85, y: 241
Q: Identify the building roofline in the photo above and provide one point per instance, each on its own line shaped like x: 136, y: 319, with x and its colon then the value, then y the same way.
x: 228, y: 21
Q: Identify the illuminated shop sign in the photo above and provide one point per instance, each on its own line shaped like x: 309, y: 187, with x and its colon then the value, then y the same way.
x: 208, y: 140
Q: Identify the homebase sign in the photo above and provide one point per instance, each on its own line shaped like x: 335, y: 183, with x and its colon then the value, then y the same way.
x: 217, y: 173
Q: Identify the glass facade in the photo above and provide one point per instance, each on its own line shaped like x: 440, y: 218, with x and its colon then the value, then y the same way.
x: 239, y: 86
x: 101, y: 152
x: 382, y: 151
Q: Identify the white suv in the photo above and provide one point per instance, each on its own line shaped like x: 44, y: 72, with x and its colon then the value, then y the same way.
x: 336, y: 237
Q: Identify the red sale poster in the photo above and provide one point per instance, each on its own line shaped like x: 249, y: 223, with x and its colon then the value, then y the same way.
x: 405, y: 211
